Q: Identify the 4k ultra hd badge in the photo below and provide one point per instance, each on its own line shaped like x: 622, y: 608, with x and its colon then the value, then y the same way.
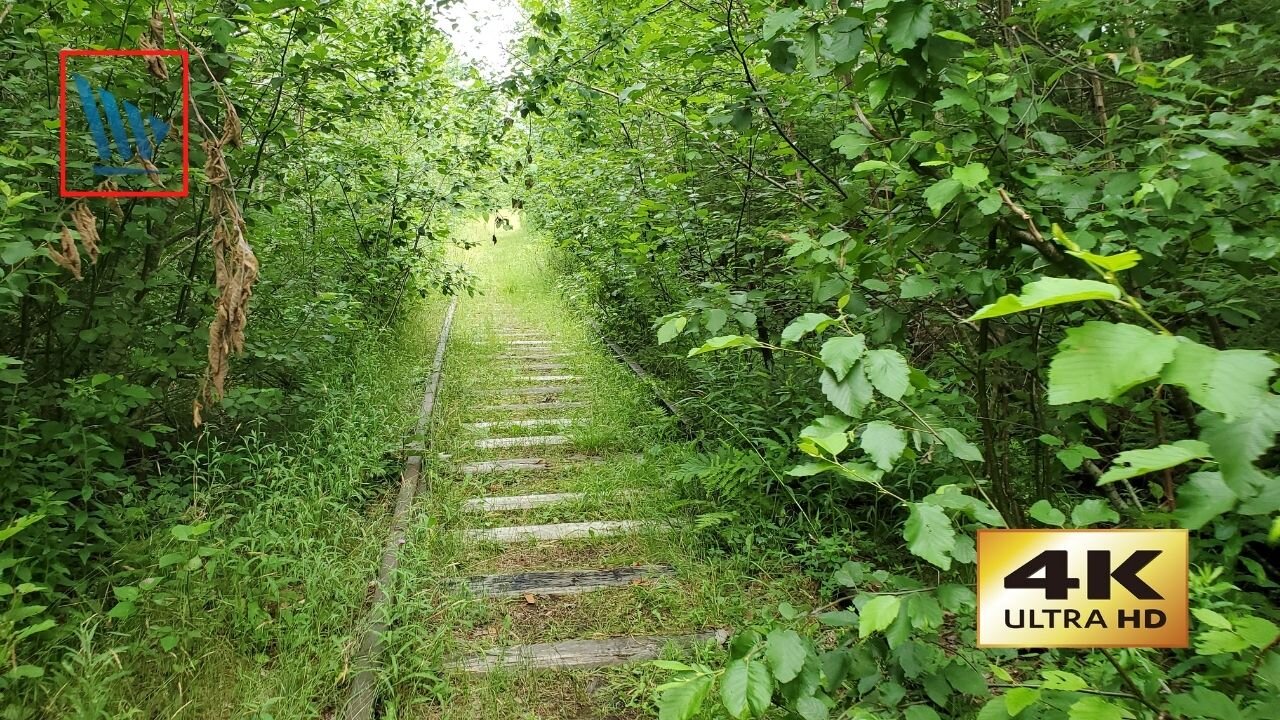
x: 1082, y: 588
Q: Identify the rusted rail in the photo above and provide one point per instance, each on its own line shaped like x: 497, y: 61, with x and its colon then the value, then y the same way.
x: 364, y: 688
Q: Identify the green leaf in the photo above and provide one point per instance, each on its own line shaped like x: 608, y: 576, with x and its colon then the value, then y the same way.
x: 172, y: 559
x: 966, y: 679
x: 958, y: 445
x: 878, y: 614
x: 121, y: 611
x: 1203, y: 497
x: 1093, y: 707
x: 952, y: 97
x: 779, y: 21
x: 746, y: 688
x: 1211, y: 618
x: 828, y: 432
x: 1227, y: 137
x: 25, y: 671
x: 1220, y: 642
x: 1101, y: 360
x: 888, y: 372
x: 670, y: 329
x: 839, y: 618
x: 805, y: 324
x: 941, y: 193
x: 840, y: 354
x: 1073, y: 457
x: 846, y: 40
x: 785, y: 652
x: 907, y: 23
x: 1046, y: 292
x: 920, y: 712
x: 850, y: 395
x: 957, y: 36
x: 1167, y: 188
x: 1052, y: 144
x: 851, y: 145
x: 1092, y: 512
x: 929, y: 534
x: 883, y: 442
x: 1018, y: 699
x: 811, y: 708
x: 812, y: 468
x: 782, y: 56
x: 916, y: 286
x: 1132, y: 463
x: 1203, y: 702
x: 1230, y: 382
x: 19, y: 525
x: 683, y: 701
x: 1062, y: 680
x: 949, y: 496
x: 1043, y: 511
x: 714, y: 319
x: 971, y: 175
x: 1112, y: 263
x: 810, y: 46
x: 1238, y: 444
x: 16, y: 252
x: 869, y: 165
x: 725, y: 342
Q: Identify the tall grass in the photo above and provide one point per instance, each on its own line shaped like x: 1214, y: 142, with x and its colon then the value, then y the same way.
x: 246, y: 603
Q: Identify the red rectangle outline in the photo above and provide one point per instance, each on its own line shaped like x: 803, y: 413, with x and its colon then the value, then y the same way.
x: 62, y: 118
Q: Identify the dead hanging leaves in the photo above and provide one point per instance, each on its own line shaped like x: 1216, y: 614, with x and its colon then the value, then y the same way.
x: 67, y: 256
x: 235, y: 266
x: 153, y: 39
x: 87, y: 225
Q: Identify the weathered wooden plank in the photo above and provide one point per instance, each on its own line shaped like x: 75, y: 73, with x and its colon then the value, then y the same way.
x: 526, y: 441
x: 527, y: 407
x: 545, y: 367
x: 561, y: 582
x: 548, y: 378
x: 535, y: 390
x: 531, y: 342
x: 535, y: 422
x: 512, y: 465
x: 535, y: 354
x: 556, y: 531
x: 486, y: 467
x: 583, y: 653
x: 518, y: 502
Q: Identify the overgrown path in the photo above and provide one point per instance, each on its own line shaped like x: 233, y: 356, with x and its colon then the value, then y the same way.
x: 547, y: 556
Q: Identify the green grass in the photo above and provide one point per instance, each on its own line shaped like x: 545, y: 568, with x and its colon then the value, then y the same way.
x: 436, y: 620
x: 265, y: 628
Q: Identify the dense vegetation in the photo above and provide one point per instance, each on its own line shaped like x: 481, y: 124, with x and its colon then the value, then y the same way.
x: 146, y: 564
x: 940, y: 266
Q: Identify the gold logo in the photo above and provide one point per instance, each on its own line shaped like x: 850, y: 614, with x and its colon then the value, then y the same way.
x: 1082, y: 588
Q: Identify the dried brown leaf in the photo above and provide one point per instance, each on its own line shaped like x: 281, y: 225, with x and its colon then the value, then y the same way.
x: 69, y: 258
x: 153, y: 172
x: 87, y: 225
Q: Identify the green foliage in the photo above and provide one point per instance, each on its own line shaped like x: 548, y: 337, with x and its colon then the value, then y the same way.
x: 970, y: 266
x: 355, y: 130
